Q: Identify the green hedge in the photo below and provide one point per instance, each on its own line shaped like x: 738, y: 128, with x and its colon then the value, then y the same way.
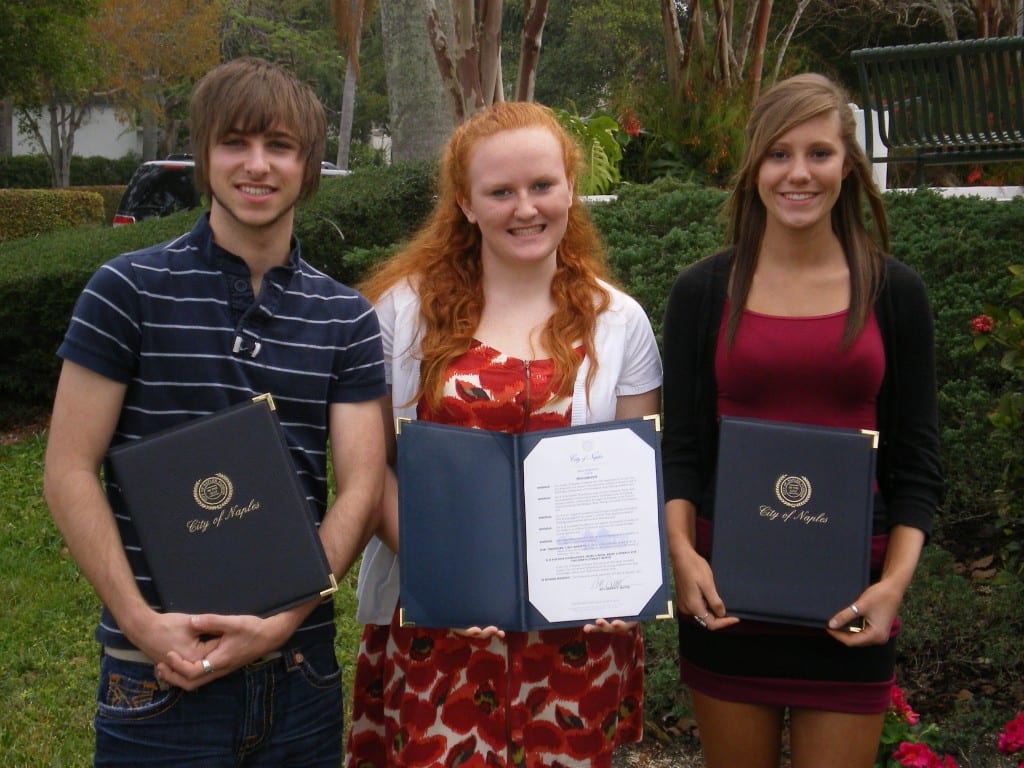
x: 33, y: 171
x: 961, y: 246
x: 31, y: 212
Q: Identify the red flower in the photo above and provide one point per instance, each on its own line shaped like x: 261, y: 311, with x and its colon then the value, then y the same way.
x: 921, y: 756
x: 899, y: 704
x: 974, y: 176
x: 630, y: 124
x: 1012, y: 738
x: 982, y: 324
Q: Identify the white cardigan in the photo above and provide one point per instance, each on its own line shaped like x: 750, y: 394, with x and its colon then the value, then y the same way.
x: 629, y: 365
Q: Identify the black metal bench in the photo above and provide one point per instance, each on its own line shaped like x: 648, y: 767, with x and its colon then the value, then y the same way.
x: 944, y: 103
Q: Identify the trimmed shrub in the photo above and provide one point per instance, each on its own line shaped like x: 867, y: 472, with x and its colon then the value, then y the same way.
x: 30, y: 212
x: 111, y: 194
x: 368, y: 209
x: 33, y: 171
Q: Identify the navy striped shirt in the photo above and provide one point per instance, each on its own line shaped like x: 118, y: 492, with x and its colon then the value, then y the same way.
x: 179, y: 325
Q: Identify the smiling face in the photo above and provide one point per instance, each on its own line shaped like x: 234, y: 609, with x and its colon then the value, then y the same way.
x: 801, y: 175
x: 255, y: 180
x: 519, y: 196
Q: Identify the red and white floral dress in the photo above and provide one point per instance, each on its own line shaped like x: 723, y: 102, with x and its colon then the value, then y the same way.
x: 430, y: 697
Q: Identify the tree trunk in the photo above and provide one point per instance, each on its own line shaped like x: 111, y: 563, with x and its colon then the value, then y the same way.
x: 535, y: 13
x: 150, y: 143
x: 784, y: 46
x: 490, y: 52
x: 6, y: 129
x: 694, y: 50
x: 675, y: 54
x: 723, y: 41
x: 420, y: 117
x: 348, y: 93
x: 348, y: 103
x: 760, y: 40
x: 447, y: 61
x: 741, y: 51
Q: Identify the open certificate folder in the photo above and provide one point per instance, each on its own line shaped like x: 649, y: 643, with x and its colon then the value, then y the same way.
x: 791, y: 537
x: 533, y: 530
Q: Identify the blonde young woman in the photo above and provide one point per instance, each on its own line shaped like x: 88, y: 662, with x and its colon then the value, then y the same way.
x: 499, y: 315
x: 804, y: 318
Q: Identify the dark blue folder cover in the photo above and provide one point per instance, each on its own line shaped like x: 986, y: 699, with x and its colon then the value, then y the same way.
x: 224, y: 524
x: 792, y: 519
x: 462, y: 552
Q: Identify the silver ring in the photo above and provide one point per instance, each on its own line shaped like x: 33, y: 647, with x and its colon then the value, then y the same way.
x: 855, y: 609
x: 207, y: 666
x: 701, y: 620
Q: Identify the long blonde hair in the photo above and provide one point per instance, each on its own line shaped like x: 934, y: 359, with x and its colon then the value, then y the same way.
x: 781, y: 108
x: 443, y: 262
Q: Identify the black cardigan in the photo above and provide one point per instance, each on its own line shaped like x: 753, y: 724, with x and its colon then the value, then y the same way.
x: 908, y: 467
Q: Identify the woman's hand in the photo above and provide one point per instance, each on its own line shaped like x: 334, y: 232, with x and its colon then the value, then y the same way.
x: 878, y: 605
x: 867, y: 620
x: 696, y: 595
x: 615, y: 626
x: 695, y: 591
x: 480, y: 633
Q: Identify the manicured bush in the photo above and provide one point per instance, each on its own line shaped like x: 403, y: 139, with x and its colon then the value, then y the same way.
x: 111, y: 194
x: 30, y: 212
x: 368, y: 209
x: 33, y: 171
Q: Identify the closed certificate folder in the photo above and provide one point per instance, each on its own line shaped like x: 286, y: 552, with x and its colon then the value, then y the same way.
x: 791, y: 539
x: 531, y: 531
x: 224, y: 524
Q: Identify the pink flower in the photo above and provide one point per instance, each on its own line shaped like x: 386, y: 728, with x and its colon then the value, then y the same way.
x: 899, y: 704
x: 982, y: 324
x: 914, y: 755
x: 920, y: 756
x: 1012, y: 738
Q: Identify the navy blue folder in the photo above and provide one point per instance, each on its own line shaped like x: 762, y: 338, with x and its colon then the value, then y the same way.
x: 224, y: 524
x: 462, y: 552
x: 791, y: 539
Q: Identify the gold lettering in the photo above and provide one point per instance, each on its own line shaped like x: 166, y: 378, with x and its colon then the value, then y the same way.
x: 198, y: 526
x: 234, y: 512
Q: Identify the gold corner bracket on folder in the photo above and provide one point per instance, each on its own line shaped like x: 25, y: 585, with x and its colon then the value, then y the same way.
x: 873, y: 434
x: 669, y: 612
x: 331, y: 589
x: 656, y: 418
x: 268, y: 398
x: 402, y: 621
x: 399, y: 422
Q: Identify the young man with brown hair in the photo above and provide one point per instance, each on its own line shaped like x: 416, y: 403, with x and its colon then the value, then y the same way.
x: 186, y: 328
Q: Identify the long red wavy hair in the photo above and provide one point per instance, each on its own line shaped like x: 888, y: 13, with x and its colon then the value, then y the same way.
x: 443, y: 263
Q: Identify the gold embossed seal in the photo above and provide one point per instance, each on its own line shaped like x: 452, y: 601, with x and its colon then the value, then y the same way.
x: 213, y: 492
x: 793, y: 490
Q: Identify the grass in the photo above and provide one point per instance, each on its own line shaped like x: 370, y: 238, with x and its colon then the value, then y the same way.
x: 48, y: 611
x: 961, y: 651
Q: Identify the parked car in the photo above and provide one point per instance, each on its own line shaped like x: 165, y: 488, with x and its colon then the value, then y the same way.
x: 162, y: 187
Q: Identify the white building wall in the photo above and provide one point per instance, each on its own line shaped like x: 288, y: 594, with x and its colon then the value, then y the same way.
x: 100, y: 135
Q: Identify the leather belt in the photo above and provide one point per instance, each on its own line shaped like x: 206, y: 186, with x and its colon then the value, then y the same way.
x: 137, y: 656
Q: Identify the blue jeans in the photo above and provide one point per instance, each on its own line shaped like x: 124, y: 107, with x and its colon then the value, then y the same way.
x: 285, y: 712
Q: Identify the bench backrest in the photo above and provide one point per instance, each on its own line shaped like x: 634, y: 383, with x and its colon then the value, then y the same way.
x: 942, y: 99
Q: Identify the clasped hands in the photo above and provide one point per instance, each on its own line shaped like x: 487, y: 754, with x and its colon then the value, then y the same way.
x: 192, y: 650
